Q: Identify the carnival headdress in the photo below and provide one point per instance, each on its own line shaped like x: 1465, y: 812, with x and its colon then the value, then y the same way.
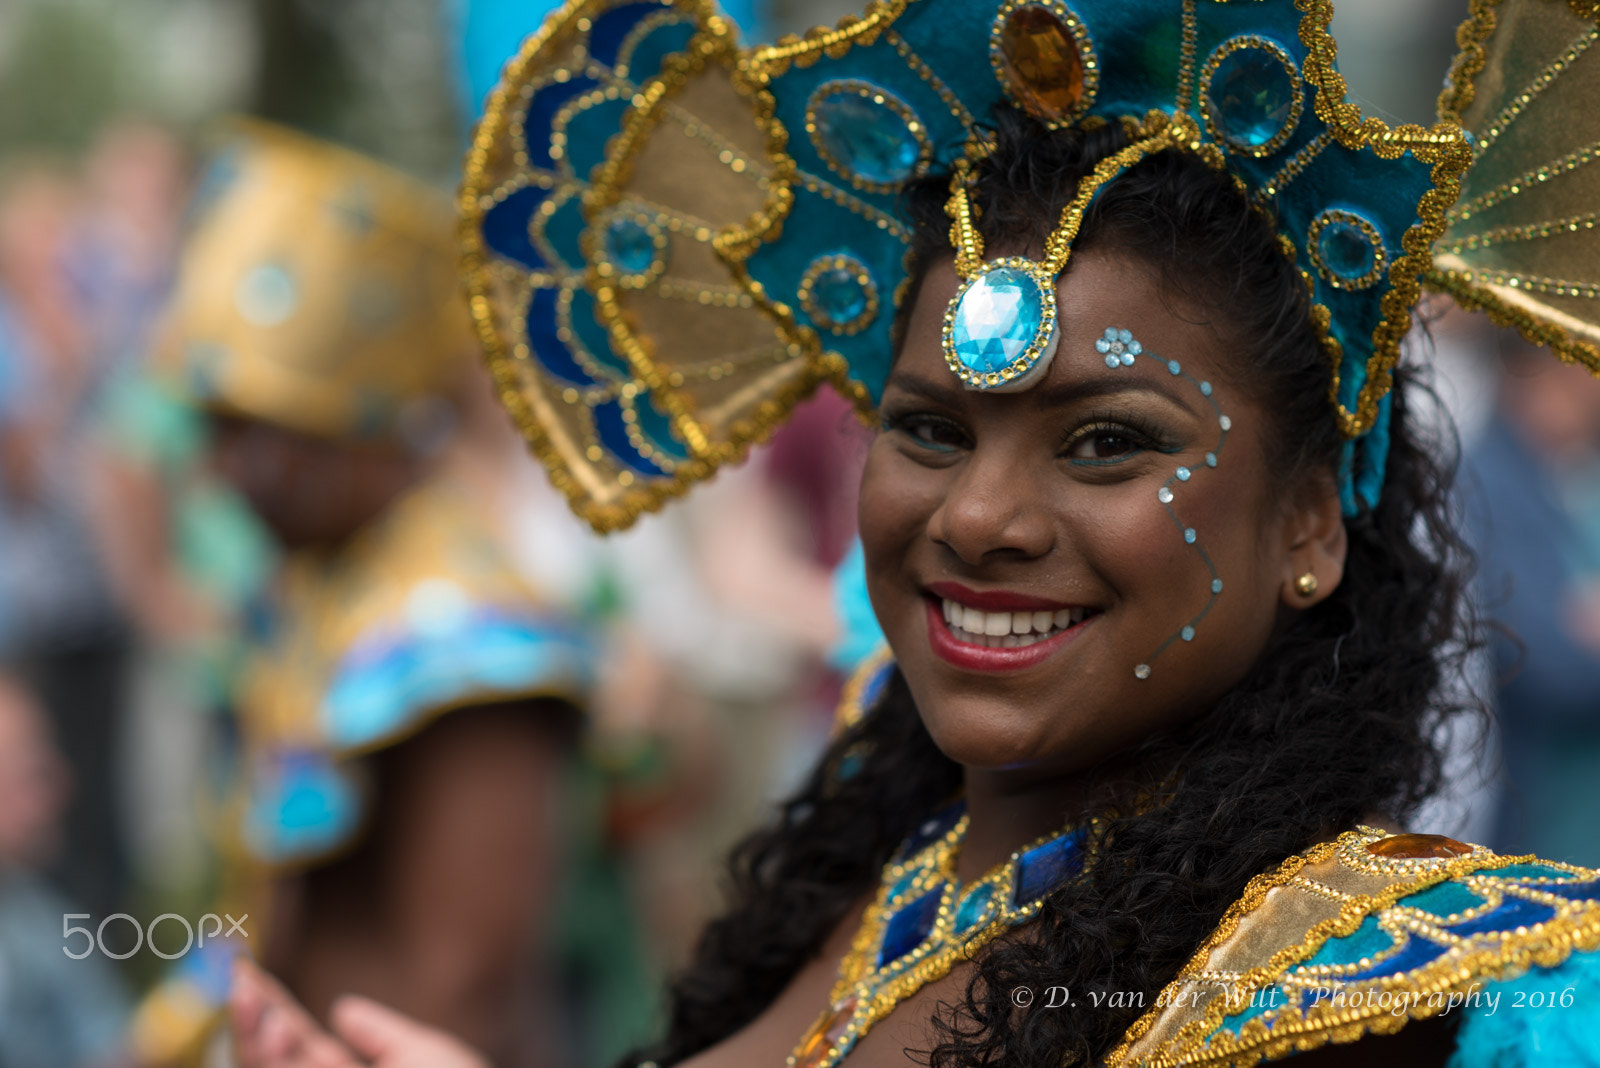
x: 317, y: 289
x: 669, y: 241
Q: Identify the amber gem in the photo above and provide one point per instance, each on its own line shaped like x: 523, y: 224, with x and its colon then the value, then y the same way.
x: 1417, y: 846
x: 824, y: 1034
x: 1043, y: 68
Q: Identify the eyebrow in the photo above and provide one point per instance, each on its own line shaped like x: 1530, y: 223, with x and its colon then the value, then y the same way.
x: 1058, y: 395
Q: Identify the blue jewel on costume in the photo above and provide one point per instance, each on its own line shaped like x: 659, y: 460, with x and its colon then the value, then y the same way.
x: 1253, y: 95
x: 867, y: 134
x: 1003, y: 324
x: 631, y: 245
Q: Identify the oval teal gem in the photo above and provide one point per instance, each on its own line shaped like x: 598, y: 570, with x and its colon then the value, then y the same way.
x: 630, y: 245
x: 864, y: 138
x: 997, y: 319
x: 840, y: 296
x: 974, y: 907
x: 1346, y: 249
x: 1251, y: 96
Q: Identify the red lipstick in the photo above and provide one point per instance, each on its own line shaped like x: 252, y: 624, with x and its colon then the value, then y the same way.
x: 970, y: 657
x: 994, y: 600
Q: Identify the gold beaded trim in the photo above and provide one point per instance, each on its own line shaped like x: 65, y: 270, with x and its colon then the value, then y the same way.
x: 1380, y: 255
x: 1443, y: 146
x: 1461, y: 286
x: 1302, y: 159
x: 1088, y: 61
x: 1503, y: 192
x: 1187, y: 56
x: 925, y: 72
x: 862, y: 276
x: 883, y: 98
x: 1296, y: 100
x: 1531, y: 232
x: 1534, y: 88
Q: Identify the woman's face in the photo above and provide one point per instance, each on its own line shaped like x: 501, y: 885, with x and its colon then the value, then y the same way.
x: 1089, y: 495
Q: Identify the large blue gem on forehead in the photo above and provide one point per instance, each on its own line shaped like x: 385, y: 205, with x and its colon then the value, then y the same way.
x: 630, y: 245
x: 1345, y: 249
x: 1251, y: 96
x: 997, y: 319
x: 869, y: 140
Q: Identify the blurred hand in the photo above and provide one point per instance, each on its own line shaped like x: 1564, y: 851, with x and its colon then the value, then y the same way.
x: 272, y: 1031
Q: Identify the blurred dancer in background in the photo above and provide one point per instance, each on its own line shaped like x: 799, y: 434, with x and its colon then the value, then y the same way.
x: 378, y: 844
x: 1537, y: 529
x: 70, y: 639
x: 63, y: 1010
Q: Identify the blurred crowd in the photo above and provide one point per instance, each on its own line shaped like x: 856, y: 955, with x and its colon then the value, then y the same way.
x: 533, y: 746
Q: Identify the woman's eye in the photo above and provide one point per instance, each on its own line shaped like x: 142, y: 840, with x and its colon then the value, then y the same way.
x: 1109, y: 443
x: 939, y: 435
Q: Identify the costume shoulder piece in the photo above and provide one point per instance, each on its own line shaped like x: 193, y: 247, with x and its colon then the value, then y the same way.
x: 421, y: 615
x: 1359, y: 936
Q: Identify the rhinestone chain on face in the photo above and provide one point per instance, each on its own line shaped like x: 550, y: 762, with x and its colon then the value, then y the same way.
x: 1120, y: 349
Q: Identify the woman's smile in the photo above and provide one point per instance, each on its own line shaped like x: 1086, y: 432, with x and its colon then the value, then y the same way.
x: 998, y: 630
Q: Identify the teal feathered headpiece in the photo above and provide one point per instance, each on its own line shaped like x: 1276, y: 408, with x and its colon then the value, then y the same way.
x: 670, y: 241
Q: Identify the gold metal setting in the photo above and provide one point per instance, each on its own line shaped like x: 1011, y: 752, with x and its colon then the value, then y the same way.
x: 1088, y: 59
x: 1380, y: 255
x: 1296, y: 100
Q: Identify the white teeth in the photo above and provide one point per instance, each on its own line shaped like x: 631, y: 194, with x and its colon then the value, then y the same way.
x: 1007, y: 630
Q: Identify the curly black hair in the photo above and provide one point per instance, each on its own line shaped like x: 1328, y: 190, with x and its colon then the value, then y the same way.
x: 1337, y: 722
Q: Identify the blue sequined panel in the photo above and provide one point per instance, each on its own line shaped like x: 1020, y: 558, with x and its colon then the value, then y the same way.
x: 611, y: 29
x: 933, y: 827
x: 909, y: 926
x: 976, y: 907
x: 657, y: 429
x: 591, y: 336
x: 505, y: 227
x: 549, y: 348
x: 1445, y: 899
x: 1045, y: 867
x: 538, y: 121
x: 1588, y: 890
x: 1512, y: 912
x: 611, y: 424
x: 1414, y: 954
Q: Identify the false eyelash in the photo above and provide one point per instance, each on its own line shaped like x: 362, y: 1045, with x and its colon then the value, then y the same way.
x: 1145, y: 433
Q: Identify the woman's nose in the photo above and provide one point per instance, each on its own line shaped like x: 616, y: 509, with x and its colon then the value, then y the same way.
x: 993, y: 505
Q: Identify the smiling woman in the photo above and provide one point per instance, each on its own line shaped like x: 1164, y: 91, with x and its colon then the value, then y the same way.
x: 1167, y: 571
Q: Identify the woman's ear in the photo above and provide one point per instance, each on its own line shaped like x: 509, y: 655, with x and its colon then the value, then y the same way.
x: 1316, y: 544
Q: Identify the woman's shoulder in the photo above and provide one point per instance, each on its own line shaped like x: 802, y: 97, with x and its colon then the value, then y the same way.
x: 1361, y: 935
